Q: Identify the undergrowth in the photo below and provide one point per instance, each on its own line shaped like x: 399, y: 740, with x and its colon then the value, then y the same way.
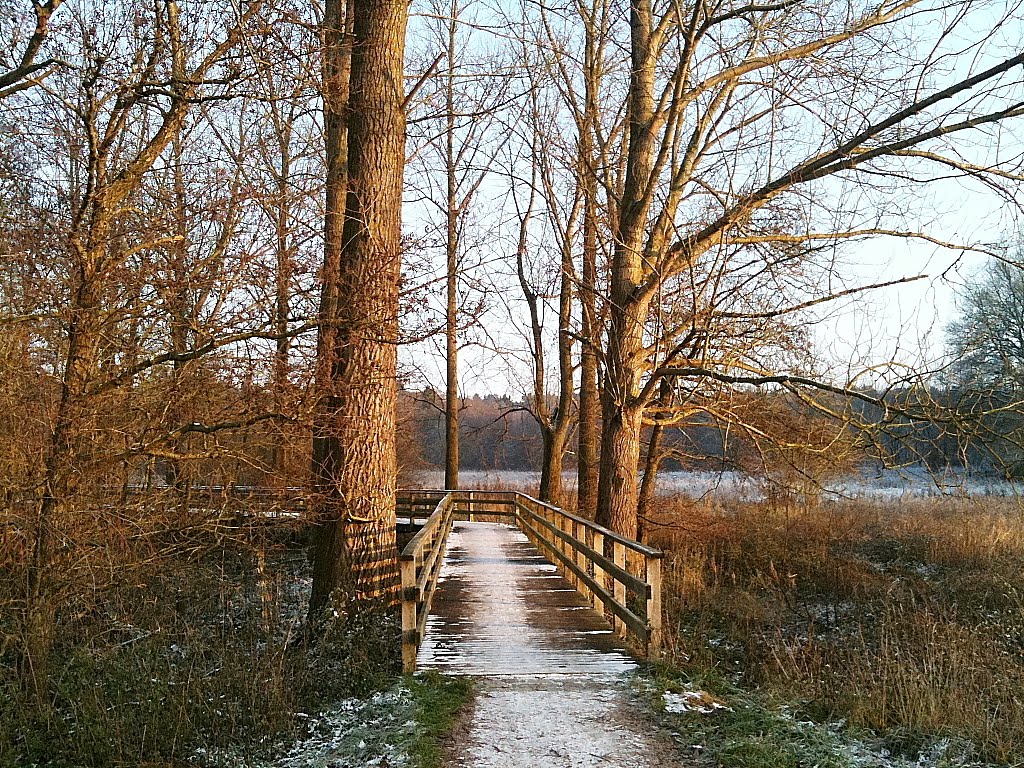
x: 903, y: 620
x: 197, y: 654
x: 748, y: 732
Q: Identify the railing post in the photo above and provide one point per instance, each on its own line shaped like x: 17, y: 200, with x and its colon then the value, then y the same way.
x: 567, y: 526
x: 410, y: 597
x: 598, y: 546
x: 579, y: 532
x: 654, y: 606
x: 472, y: 517
x: 619, y: 589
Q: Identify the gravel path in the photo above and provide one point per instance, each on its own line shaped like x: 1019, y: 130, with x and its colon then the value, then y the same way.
x: 552, y: 689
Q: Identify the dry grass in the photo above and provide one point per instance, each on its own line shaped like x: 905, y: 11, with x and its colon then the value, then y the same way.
x: 906, y: 618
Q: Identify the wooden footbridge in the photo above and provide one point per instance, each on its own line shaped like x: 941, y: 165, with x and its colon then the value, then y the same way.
x: 497, y: 582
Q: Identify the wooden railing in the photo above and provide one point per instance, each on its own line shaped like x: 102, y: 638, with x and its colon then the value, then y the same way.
x: 415, y: 504
x: 620, y: 576
x: 420, y: 563
x: 617, y: 575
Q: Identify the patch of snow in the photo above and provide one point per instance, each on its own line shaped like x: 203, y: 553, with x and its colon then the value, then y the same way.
x: 701, y: 702
x: 557, y: 721
x: 354, y: 733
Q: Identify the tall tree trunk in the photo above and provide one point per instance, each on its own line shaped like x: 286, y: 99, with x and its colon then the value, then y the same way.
x: 451, y: 395
x: 625, y: 359
x: 453, y: 212
x: 282, y: 290
x: 61, y: 479
x: 355, y: 548
x: 180, y: 317
x: 652, y: 463
x: 561, y: 420
x: 336, y: 42
x: 554, y: 422
x: 649, y: 483
x: 589, y: 417
x: 589, y: 427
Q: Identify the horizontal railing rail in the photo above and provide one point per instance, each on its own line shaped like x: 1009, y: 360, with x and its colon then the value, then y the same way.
x: 468, y: 504
x: 618, y: 575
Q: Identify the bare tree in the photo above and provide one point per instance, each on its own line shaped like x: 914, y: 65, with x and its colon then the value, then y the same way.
x: 455, y: 138
x: 583, y: 89
x: 552, y: 232
x: 125, y: 111
x: 27, y: 70
x: 729, y: 147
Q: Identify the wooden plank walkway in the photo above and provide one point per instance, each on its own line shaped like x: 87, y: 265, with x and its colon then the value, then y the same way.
x: 502, y: 609
x: 551, y: 691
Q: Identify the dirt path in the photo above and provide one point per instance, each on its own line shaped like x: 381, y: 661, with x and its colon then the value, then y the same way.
x: 552, y: 689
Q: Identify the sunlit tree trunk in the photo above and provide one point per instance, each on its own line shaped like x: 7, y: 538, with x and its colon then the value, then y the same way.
x: 355, y: 552
x: 589, y: 428
x: 652, y: 463
x: 622, y: 413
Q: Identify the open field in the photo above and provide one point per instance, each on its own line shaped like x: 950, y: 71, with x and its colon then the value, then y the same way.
x: 903, y: 620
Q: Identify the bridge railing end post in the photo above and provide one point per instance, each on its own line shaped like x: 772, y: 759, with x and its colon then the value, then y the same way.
x: 654, y: 606
x: 410, y: 640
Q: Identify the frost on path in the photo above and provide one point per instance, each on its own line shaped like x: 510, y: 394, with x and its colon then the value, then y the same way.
x: 550, y: 691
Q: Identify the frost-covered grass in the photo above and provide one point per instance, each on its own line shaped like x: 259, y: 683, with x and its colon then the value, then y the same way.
x: 400, y: 727
x: 905, y: 622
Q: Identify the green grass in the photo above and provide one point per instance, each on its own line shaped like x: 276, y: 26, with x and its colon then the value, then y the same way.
x: 438, y: 700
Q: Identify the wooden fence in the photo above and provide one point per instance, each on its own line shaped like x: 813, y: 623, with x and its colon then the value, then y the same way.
x: 617, y: 575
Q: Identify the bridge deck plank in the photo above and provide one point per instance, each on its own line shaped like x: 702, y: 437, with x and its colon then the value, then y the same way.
x: 550, y: 692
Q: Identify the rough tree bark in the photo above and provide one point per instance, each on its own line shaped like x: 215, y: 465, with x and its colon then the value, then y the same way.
x: 622, y: 415
x: 589, y: 428
x: 355, y: 554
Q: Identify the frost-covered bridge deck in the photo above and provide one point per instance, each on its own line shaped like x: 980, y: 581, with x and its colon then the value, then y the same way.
x: 540, y: 591
x: 523, y: 603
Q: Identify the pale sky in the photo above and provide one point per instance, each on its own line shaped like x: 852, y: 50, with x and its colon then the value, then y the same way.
x: 904, y: 323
